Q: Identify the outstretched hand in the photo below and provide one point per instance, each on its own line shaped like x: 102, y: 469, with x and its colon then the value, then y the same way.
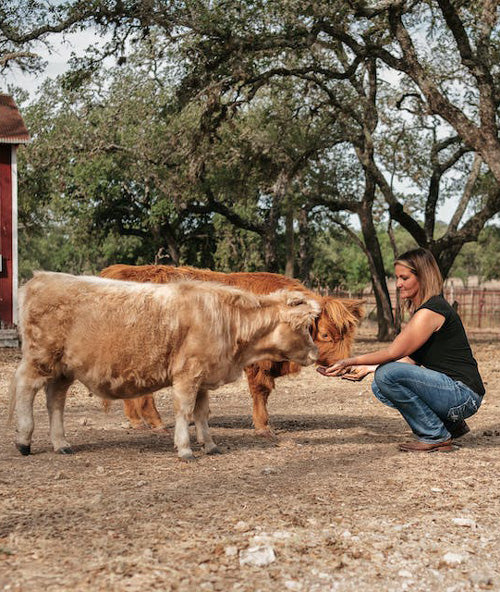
x: 347, y: 370
x: 357, y: 373
x: 338, y: 369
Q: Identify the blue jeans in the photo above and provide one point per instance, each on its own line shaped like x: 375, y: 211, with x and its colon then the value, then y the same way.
x: 425, y: 398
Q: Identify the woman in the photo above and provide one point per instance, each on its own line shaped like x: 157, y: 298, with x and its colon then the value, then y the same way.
x: 428, y: 373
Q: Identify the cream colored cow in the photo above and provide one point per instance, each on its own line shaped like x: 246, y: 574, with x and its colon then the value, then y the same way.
x: 124, y: 339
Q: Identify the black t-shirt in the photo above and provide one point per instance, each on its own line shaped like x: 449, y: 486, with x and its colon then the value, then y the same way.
x: 448, y: 350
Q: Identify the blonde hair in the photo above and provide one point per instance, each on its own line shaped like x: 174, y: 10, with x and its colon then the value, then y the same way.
x: 421, y: 262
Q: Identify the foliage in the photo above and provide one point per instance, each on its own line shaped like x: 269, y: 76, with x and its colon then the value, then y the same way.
x: 339, y: 265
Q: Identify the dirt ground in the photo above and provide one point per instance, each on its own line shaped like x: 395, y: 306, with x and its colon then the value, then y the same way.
x: 332, y: 505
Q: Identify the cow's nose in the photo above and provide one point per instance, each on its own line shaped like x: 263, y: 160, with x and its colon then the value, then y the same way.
x: 313, y: 355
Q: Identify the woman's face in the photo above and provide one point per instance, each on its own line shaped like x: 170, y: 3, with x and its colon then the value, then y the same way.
x: 406, y: 282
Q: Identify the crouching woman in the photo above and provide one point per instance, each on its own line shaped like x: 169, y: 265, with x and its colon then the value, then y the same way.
x: 428, y: 373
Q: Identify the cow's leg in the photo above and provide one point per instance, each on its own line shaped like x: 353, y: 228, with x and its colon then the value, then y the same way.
x: 25, y: 385
x: 150, y: 413
x: 201, y: 413
x: 142, y: 412
x: 55, y: 393
x: 260, y: 383
x: 132, y: 408
x: 184, y: 402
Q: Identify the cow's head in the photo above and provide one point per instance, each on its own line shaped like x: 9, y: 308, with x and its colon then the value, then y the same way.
x: 292, y: 337
x: 334, y: 328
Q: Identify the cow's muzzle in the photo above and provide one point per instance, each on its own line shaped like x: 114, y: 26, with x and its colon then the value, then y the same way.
x: 312, y: 356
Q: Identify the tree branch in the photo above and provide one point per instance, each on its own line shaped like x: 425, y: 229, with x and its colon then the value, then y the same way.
x: 466, y: 195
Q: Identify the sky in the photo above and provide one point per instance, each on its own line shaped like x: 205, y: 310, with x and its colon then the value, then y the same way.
x: 57, y: 59
x: 57, y: 63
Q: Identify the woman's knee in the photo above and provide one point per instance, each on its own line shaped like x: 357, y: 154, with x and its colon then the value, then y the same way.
x: 386, y: 374
x: 385, y: 382
x: 380, y: 396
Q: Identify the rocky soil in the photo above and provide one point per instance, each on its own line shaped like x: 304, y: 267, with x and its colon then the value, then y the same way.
x: 331, y: 505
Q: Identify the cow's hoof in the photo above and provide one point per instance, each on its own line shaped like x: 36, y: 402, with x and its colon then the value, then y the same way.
x: 187, y: 458
x: 65, y: 450
x: 138, y: 426
x: 266, y: 433
x: 162, y: 430
x: 24, y: 449
x: 213, y: 450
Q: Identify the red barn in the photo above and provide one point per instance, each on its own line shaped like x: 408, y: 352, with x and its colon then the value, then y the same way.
x: 12, y: 133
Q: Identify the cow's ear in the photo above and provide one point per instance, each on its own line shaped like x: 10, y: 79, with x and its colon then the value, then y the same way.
x: 296, y: 299
x: 356, y: 307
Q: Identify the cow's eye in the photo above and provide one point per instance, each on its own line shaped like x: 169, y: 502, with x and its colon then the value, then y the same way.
x: 324, y: 336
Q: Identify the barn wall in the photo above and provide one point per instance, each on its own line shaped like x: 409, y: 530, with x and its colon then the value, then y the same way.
x: 6, y: 274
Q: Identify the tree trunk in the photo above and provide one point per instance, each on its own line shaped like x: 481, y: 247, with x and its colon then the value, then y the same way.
x: 446, y: 258
x: 269, y: 238
x: 397, y: 305
x: 289, y: 243
x: 166, y: 234
x: 305, y: 255
x: 385, y: 318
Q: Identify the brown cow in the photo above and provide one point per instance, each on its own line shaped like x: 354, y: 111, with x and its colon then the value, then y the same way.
x: 333, y: 332
x: 199, y: 335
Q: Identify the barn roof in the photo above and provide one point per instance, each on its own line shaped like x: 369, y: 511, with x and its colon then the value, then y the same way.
x: 12, y: 128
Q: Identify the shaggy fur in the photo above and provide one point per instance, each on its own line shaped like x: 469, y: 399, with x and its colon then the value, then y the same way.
x: 333, y: 332
x: 125, y: 339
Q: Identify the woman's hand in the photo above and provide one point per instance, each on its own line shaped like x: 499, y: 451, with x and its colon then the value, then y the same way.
x: 356, y: 373
x: 339, y: 368
x: 348, y: 369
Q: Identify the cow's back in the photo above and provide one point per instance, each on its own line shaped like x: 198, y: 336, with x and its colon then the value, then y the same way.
x: 259, y: 282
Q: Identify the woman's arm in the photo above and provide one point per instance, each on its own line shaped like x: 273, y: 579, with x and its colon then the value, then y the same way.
x: 421, y: 326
